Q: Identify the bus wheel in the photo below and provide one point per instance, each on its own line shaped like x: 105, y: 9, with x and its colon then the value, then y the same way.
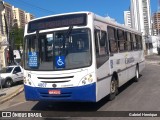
x: 113, y: 89
x: 136, y: 78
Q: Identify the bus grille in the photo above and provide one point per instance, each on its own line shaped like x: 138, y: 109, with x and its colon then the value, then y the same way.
x: 55, y: 79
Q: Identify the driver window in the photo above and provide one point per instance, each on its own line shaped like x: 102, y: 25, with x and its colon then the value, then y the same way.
x: 17, y: 69
x: 101, y: 43
x: 101, y: 46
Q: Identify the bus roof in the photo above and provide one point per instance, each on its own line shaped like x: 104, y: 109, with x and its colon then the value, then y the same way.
x: 115, y: 24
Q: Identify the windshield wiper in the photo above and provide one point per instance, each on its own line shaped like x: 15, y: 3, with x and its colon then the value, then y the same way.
x: 69, y: 31
x: 67, y: 34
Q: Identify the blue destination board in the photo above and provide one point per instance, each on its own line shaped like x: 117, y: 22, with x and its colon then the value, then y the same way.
x: 33, y: 61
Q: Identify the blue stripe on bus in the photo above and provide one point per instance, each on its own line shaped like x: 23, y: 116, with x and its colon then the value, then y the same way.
x: 85, y: 93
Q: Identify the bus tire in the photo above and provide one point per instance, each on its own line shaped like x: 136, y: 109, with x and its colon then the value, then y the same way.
x: 113, y: 89
x: 136, y: 78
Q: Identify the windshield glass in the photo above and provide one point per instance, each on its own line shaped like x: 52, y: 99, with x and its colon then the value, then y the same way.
x: 7, y: 70
x: 69, y: 49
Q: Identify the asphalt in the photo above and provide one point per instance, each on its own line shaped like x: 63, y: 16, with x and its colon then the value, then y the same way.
x: 153, y: 59
x: 9, y: 93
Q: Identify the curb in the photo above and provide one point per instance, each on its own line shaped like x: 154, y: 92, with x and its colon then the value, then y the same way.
x: 153, y: 62
x: 11, y: 95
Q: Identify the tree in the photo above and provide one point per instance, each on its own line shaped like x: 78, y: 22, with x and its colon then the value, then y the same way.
x: 17, y: 35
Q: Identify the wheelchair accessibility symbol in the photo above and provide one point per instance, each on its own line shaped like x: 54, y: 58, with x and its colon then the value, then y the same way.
x: 60, y: 61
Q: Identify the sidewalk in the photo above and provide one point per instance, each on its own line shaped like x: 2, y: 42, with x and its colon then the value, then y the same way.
x: 153, y: 59
x: 8, y: 93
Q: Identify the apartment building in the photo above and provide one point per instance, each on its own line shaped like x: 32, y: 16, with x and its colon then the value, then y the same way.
x: 19, y: 17
x: 6, y: 23
x: 28, y: 17
x: 156, y: 23
x: 141, y: 19
x: 9, y: 14
x: 13, y: 17
x: 127, y: 18
x: 141, y: 16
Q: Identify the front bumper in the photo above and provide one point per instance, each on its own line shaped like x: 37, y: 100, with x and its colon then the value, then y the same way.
x: 85, y: 93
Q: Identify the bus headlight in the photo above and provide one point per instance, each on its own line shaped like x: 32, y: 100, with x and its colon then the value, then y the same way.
x: 29, y: 75
x: 24, y: 80
x: 87, y: 79
x: 27, y: 80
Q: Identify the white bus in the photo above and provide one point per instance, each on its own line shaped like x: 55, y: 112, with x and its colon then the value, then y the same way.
x: 79, y: 57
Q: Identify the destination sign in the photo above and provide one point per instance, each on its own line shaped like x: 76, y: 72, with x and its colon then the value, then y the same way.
x: 33, y: 61
x: 57, y: 21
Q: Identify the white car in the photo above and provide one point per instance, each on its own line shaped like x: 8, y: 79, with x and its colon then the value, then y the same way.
x: 10, y: 75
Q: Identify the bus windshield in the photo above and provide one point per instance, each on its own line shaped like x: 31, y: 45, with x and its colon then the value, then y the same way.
x: 59, y: 50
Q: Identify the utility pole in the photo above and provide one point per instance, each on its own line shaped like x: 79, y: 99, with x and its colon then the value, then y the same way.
x: 158, y: 27
x: 7, y: 27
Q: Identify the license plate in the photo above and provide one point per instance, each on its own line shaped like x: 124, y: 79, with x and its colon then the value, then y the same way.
x: 54, y: 92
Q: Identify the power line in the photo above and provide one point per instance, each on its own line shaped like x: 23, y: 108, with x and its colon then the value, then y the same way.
x: 36, y: 6
x: 31, y: 5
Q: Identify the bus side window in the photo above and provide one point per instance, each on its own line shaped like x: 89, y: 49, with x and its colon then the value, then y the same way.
x: 139, y: 42
x: 128, y: 42
x: 113, y: 45
x: 96, y: 42
x: 134, y: 44
x: 101, y: 47
x: 101, y: 43
x: 121, y: 40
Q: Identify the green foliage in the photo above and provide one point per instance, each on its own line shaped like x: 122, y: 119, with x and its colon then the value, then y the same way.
x: 17, y: 34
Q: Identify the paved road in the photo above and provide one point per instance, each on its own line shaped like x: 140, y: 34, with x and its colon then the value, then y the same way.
x: 141, y: 96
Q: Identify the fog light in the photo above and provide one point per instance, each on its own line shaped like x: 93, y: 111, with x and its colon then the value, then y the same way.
x: 88, y: 79
x: 29, y: 75
x: 29, y: 83
x: 83, y: 82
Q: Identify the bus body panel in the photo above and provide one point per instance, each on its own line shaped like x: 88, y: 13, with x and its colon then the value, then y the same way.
x: 103, y: 87
x: 103, y: 80
x: 81, y: 94
x: 117, y: 62
x: 125, y: 65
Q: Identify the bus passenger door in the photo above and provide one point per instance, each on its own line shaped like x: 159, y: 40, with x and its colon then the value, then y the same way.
x: 102, y: 63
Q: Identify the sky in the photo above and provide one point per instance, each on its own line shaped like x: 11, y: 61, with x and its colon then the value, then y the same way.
x: 112, y: 8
